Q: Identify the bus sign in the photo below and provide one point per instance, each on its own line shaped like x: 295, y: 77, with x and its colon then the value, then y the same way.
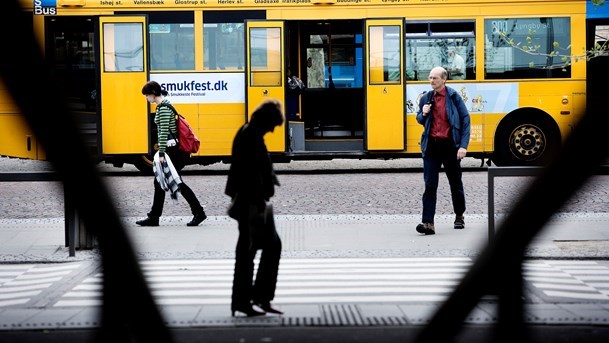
x: 45, y: 7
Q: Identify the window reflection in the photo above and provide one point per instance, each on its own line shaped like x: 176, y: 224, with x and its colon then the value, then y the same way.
x: 265, y: 56
x: 545, y: 38
x: 172, y: 46
x: 384, y: 54
x: 447, y: 44
x: 123, y: 47
x: 223, y: 46
x: 224, y: 38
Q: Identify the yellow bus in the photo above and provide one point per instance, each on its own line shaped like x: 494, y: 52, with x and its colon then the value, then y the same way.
x: 363, y: 65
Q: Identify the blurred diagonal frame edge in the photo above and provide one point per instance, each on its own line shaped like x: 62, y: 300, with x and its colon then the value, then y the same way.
x: 53, y: 124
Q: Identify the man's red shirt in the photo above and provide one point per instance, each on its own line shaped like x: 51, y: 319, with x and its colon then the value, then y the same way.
x: 440, y: 128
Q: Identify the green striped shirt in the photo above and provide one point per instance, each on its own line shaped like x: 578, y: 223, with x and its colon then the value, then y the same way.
x: 164, y: 119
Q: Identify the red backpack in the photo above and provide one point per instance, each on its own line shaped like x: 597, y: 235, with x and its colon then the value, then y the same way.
x: 187, y: 140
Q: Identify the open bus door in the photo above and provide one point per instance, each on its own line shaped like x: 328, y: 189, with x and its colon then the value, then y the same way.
x: 123, y: 72
x: 597, y: 72
x: 385, y: 84
x: 265, y: 72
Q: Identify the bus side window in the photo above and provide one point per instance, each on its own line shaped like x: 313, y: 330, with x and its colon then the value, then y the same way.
x: 547, y: 38
x: 172, y: 44
x: 448, y: 44
x: 224, y: 38
x: 223, y: 46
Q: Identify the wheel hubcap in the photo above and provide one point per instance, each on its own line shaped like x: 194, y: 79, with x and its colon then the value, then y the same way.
x: 527, y: 142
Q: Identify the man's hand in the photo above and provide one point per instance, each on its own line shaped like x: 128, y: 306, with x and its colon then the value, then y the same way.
x: 426, y: 109
x: 461, y: 153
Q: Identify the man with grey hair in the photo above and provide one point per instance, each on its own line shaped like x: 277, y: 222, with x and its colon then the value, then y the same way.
x: 444, y: 141
x: 457, y: 65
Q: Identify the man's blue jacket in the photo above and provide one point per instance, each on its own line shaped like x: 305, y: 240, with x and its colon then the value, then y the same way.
x: 458, y: 116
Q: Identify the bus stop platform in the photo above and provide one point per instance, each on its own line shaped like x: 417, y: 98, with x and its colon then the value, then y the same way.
x: 567, y: 235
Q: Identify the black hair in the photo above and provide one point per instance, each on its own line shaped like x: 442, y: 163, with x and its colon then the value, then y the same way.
x: 268, y: 114
x: 153, y: 87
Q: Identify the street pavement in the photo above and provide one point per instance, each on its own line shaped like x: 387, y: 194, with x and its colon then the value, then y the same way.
x: 359, y: 272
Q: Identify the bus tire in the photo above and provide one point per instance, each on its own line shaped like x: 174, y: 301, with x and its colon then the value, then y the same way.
x: 143, y: 163
x: 526, y: 141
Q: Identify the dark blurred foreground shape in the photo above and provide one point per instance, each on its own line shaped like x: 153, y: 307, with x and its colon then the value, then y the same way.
x: 129, y: 312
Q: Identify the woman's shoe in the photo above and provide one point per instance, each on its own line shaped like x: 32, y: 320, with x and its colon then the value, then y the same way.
x: 248, y: 310
x: 268, y: 308
x: 197, y: 219
x: 150, y: 221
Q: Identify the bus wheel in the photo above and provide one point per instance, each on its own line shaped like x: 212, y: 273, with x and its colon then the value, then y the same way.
x: 525, y: 143
x: 143, y: 163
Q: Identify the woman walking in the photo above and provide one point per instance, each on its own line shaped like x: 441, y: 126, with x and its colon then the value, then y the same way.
x: 167, y: 155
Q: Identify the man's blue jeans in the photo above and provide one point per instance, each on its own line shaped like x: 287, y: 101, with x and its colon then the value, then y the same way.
x: 438, y: 155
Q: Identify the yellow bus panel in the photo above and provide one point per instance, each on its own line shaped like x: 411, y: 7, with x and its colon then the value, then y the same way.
x: 362, y: 77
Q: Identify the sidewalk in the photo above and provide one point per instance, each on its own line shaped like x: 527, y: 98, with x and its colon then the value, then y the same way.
x: 571, y: 235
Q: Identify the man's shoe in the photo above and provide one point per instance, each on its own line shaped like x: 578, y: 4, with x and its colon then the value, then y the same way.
x: 426, y: 228
x: 459, y: 222
x: 150, y: 221
x: 197, y: 219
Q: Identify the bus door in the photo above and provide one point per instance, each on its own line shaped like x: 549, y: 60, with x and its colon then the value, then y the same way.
x: 385, y: 118
x: 265, y: 74
x: 597, y: 71
x: 123, y: 72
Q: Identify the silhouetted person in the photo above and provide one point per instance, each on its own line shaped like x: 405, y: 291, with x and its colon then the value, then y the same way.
x: 251, y: 183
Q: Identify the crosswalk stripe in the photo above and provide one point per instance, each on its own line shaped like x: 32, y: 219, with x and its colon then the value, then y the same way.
x: 565, y: 287
x: 4, y: 267
x: 43, y: 281
x: 280, y: 283
x: 561, y: 280
x: 593, y: 278
x: 290, y: 300
x: 79, y: 303
x: 596, y: 271
x: 375, y: 260
x: 13, y: 302
x: 546, y: 274
x: 568, y: 279
x: 11, y: 273
x: 308, y: 280
x: 331, y: 271
x: 19, y: 295
x: 300, y: 281
x: 318, y: 280
x: 578, y: 295
x: 21, y: 283
x: 32, y: 276
x: 14, y: 289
